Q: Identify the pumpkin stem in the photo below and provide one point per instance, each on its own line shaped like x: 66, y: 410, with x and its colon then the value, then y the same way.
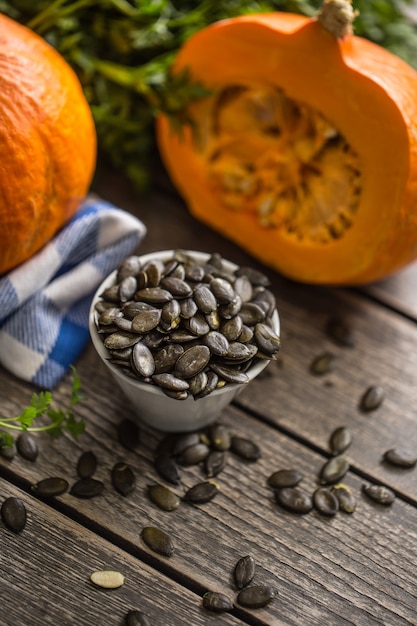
x: 337, y: 16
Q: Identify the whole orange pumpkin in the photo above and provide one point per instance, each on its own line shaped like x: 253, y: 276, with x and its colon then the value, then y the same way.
x: 47, y: 143
x: 305, y: 153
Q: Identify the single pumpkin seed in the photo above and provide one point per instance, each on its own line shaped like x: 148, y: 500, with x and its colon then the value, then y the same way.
x: 222, y: 290
x: 401, y: 457
x: 347, y: 501
x: 214, y: 463
x: 294, y: 500
x: 192, y: 361
x: 163, y: 497
x: 372, y: 398
x: 87, y: 488
x: 284, y: 478
x: 322, y: 364
x: 220, y: 437
x: 167, y: 468
x: 169, y: 381
x: 205, y: 299
x: 142, y: 360
x: 256, y: 596
x: 27, y: 446
x: 154, y: 270
x: 325, y: 501
x: 340, y: 440
x: 256, y: 277
x: 87, y: 464
x: 245, y: 448
x: 193, y: 454
x: 120, y: 339
x: 216, y: 342
x: 176, y: 286
x: 127, y: 288
x: 334, y: 470
x: 244, y: 571
x: 158, y: 540
x: 379, y: 493
x: 146, y: 321
x: 123, y: 478
x: 13, y: 514
x: 217, y: 602
x: 49, y: 487
x: 201, y: 492
x: 183, y: 441
x: 154, y: 295
x: 229, y: 374
x: 137, y: 618
x: 107, y: 579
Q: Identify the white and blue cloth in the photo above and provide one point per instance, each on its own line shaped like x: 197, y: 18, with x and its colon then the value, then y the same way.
x: 44, y: 303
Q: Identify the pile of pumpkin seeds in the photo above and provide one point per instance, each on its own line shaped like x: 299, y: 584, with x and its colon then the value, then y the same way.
x: 186, y: 326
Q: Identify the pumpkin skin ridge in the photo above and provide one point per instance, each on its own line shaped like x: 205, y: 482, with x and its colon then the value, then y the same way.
x: 378, y: 259
x: 48, y: 133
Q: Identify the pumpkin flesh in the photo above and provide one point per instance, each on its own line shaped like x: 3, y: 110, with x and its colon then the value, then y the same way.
x: 47, y: 143
x: 305, y: 152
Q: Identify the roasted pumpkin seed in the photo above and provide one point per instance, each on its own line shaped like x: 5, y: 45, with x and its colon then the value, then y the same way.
x: 256, y: 596
x: 87, y: 488
x: 49, y: 487
x: 372, y: 398
x: 244, y: 571
x: 245, y: 448
x: 158, y: 540
x: 294, y: 500
x: 123, y: 478
x: 379, y: 493
x: 13, y: 514
x: 27, y: 446
x: 347, y: 501
x: 284, y: 478
x: 217, y: 602
x: 201, y: 492
x: 400, y: 457
x: 86, y: 464
x: 322, y: 363
x: 340, y: 332
x: 334, y: 470
x: 163, y: 497
x: 214, y: 463
x: 340, y: 440
x: 325, y: 501
x: 167, y: 468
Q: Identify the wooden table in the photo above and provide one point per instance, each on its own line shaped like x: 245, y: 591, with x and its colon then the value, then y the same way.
x: 357, y: 569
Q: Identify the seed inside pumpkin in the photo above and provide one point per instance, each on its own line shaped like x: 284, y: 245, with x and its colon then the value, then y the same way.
x: 282, y: 160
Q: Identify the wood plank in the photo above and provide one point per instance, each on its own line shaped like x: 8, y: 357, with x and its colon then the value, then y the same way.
x: 45, y: 577
x: 349, y: 569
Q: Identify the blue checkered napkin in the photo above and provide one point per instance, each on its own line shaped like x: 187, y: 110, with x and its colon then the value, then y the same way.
x: 44, y: 303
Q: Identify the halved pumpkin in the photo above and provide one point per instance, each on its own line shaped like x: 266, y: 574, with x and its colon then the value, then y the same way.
x: 305, y: 151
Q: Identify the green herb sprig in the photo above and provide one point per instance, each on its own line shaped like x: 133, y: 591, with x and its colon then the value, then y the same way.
x: 40, y: 406
x: 122, y: 51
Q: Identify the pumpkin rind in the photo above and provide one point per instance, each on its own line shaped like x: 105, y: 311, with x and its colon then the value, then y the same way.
x: 369, y: 95
x: 47, y: 143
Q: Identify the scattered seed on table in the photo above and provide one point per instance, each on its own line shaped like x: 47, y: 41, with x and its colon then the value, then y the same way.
x: 322, y: 364
x: 87, y: 464
x: 346, y: 499
x: 178, y: 443
x: 167, y: 468
x: 201, y: 493
x: 333, y: 470
x: 256, y: 596
x: 379, y: 493
x: 163, y: 497
x: 87, y: 488
x: 337, y: 330
x: 158, y: 540
x: 284, y: 478
x: 215, y: 463
x: 325, y: 501
x: 244, y: 571
x: 401, y: 457
x: 27, y: 446
x: 128, y: 434
x: 294, y: 500
x: 217, y: 602
x: 13, y: 514
x: 340, y: 440
x: 49, y: 487
x: 123, y: 478
x: 137, y: 618
x: 193, y: 455
x: 220, y: 437
x: 107, y: 579
x: 245, y: 448
x: 372, y: 398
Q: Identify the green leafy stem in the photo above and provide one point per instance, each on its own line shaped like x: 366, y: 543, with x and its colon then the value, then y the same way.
x: 40, y: 406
